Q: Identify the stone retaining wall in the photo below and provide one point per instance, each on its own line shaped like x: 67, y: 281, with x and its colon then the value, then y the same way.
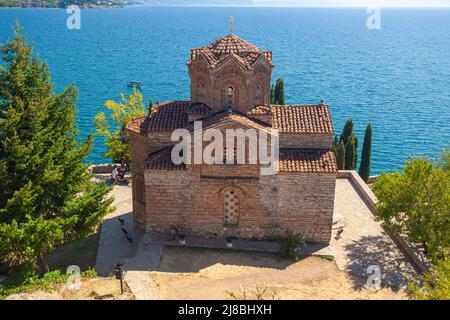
x: 103, y: 168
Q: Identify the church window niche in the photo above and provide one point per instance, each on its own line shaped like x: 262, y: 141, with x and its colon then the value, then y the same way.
x: 230, y: 96
x: 139, y: 188
x: 231, y: 215
x: 258, y: 94
x: 202, y: 90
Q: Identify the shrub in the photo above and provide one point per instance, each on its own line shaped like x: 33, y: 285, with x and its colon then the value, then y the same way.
x: 289, y: 245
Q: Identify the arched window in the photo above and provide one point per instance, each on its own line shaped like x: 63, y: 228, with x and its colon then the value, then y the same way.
x: 259, y: 93
x: 230, y: 208
x: 258, y: 90
x: 230, y: 95
x: 139, y: 188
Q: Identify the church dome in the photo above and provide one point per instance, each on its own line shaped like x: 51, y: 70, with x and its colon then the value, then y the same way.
x: 223, y: 47
x: 231, y: 44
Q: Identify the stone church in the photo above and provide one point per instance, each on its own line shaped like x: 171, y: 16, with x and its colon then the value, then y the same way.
x: 230, y: 88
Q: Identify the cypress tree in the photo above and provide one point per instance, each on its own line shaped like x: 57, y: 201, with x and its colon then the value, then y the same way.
x: 355, y: 152
x: 340, y: 158
x: 364, y: 167
x: 150, y: 106
x: 347, y: 131
x: 272, y: 94
x: 279, y: 92
x: 349, y: 153
x: 335, y: 145
x: 46, y: 194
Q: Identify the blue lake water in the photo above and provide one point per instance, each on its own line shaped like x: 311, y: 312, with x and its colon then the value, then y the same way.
x: 398, y: 78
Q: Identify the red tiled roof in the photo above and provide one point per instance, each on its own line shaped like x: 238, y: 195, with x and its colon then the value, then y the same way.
x: 307, y: 160
x: 260, y: 111
x: 162, y: 160
x: 168, y: 116
x: 234, y: 116
x: 198, y: 108
x: 290, y: 161
x: 302, y: 119
x: 228, y: 45
x: 138, y: 125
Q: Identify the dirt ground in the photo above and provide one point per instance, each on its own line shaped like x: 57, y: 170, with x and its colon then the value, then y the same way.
x: 91, y: 289
x: 187, y: 273
x: 98, y: 288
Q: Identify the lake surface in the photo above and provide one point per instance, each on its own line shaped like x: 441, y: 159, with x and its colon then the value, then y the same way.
x: 398, y: 78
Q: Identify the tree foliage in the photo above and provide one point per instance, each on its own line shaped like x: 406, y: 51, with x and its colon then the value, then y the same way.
x: 340, y: 158
x: 434, y: 284
x: 350, y: 152
x: 272, y: 94
x: 416, y: 203
x: 346, y: 148
x: 113, y: 130
x: 46, y: 193
x: 364, y: 167
x: 279, y: 96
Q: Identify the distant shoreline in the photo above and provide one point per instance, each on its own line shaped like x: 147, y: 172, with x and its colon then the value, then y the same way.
x: 95, y: 6
x: 81, y: 7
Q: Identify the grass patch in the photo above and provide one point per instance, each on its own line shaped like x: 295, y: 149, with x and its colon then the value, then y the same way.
x: 326, y: 257
x: 82, y: 253
x: 25, y: 278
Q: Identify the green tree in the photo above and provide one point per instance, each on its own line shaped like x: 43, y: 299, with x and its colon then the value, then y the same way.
x: 347, y: 131
x: 416, y: 203
x: 46, y: 194
x: 272, y: 94
x: 445, y: 159
x: 340, y: 157
x: 150, y: 106
x: 113, y: 131
x: 434, y: 284
x: 350, y: 150
x: 335, y: 145
x: 364, y: 167
x: 279, y: 92
x: 355, y: 152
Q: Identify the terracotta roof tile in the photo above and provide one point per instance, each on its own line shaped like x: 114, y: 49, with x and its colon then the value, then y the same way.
x: 307, y: 160
x: 168, y: 116
x: 198, y: 108
x: 302, y: 119
x: 161, y: 160
x: 222, y: 48
x: 260, y: 111
x: 235, y: 116
x: 138, y: 125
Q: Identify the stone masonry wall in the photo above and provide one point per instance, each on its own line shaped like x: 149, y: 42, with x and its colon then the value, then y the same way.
x: 268, y: 206
x: 251, y: 87
x: 139, y: 151
x: 305, y: 204
x: 315, y: 141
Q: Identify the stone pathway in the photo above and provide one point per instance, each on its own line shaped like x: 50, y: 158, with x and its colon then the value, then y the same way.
x: 363, y: 242
x: 113, y: 246
x: 145, y: 260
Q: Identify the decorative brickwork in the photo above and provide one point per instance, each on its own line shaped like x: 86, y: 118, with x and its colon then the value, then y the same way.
x: 230, y: 89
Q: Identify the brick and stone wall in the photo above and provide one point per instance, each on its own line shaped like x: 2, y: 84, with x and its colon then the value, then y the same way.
x: 314, y: 141
x: 250, y: 87
x: 192, y: 201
